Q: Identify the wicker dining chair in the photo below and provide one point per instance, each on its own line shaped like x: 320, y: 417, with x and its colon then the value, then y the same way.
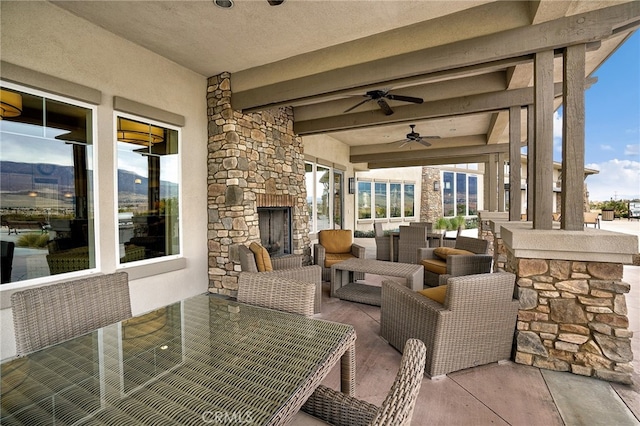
x: 383, y: 243
x: 275, y: 292
x: 47, y: 315
x: 338, y: 408
x: 412, y: 238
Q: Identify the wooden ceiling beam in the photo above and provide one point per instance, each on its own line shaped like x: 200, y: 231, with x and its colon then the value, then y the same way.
x: 580, y: 28
x: 472, y: 159
x: 493, y: 101
x: 463, y: 151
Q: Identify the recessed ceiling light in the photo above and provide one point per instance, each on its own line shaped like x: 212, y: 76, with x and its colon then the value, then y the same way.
x: 275, y: 2
x: 225, y: 4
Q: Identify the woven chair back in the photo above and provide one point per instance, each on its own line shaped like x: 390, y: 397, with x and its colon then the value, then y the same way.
x: 47, y: 315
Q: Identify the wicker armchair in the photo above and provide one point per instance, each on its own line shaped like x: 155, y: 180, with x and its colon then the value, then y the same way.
x: 335, y: 245
x: 274, y: 292
x: 412, y: 238
x: 438, y: 270
x: 47, y: 315
x: 340, y: 409
x: 290, y: 267
x: 474, y: 326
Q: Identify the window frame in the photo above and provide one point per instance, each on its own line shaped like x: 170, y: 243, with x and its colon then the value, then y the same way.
x: 116, y: 246
x: 92, y: 206
x: 331, y: 193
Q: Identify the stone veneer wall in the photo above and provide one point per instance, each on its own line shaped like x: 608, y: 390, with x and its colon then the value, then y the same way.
x: 573, y: 317
x: 250, y: 156
x: 431, y: 204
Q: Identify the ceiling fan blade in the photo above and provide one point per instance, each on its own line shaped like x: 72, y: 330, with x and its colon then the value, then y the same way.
x: 384, y: 106
x: 404, y: 98
x: 357, y: 105
x: 423, y: 142
x: 405, y: 141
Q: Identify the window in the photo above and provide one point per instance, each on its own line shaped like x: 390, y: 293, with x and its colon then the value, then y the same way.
x: 325, y: 209
x: 387, y: 200
x: 447, y: 194
x: 409, y: 200
x: 338, y: 184
x: 473, y: 196
x: 47, y: 198
x: 461, y: 194
x: 465, y: 188
x: 364, y: 200
x: 381, y: 200
x: 395, y: 200
x: 148, y: 190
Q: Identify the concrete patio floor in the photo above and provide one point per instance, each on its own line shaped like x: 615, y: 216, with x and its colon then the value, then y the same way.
x: 496, y: 394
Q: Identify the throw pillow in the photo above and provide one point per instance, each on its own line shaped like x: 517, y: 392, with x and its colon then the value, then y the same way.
x: 263, y: 260
x: 443, y: 252
x: 439, y: 294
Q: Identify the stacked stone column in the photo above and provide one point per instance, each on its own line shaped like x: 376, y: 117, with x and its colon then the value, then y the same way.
x: 248, y: 154
x: 573, y: 313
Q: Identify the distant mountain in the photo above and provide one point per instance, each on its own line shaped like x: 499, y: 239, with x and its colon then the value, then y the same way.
x: 20, y: 177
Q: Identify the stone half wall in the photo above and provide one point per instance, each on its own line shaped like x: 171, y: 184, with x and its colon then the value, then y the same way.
x: 573, y: 317
x: 254, y: 156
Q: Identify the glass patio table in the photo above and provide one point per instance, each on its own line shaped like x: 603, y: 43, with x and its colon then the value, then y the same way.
x: 204, y: 360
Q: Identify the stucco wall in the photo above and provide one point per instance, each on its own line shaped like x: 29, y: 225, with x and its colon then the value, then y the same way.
x: 44, y: 38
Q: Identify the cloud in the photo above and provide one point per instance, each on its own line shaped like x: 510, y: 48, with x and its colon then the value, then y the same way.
x: 618, y: 179
x: 632, y: 150
x: 606, y: 147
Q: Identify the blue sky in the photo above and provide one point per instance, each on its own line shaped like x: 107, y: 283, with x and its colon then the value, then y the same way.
x: 612, y: 126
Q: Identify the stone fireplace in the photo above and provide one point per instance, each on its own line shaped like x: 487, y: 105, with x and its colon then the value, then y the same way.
x: 254, y: 160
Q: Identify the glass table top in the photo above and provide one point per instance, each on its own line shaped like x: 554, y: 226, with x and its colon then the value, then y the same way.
x: 204, y: 359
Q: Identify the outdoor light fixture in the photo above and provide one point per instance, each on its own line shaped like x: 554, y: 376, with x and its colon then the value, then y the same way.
x: 10, y: 104
x: 352, y: 185
x: 139, y: 133
x: 225, y: 4
x: 137, y: 181
x: 436, y: 185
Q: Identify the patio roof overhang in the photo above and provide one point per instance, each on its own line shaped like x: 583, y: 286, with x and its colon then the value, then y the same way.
x: 471, y: 61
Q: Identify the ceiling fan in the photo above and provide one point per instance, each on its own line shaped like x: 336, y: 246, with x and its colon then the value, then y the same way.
x: 415, y: 137
x: 380, y: 95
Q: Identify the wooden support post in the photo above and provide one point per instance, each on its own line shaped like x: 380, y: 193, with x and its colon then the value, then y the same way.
x: 543, y: 105
x: 573, y: 138
x: 492, y: 182
x: 515, y: 174
x: 501, y: 190
x: 531, y: 161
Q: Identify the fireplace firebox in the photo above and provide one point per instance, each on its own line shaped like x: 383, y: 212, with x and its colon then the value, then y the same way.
x: 275, y: 229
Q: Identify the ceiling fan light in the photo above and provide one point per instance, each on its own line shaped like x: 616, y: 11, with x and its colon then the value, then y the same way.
x: 225, y: 4
x: 139, y: 133
x: 10, y: 104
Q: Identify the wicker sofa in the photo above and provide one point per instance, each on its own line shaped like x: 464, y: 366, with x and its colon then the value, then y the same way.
x: 474, y: 326
x: 469, y: 257
x: 289, y: 266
